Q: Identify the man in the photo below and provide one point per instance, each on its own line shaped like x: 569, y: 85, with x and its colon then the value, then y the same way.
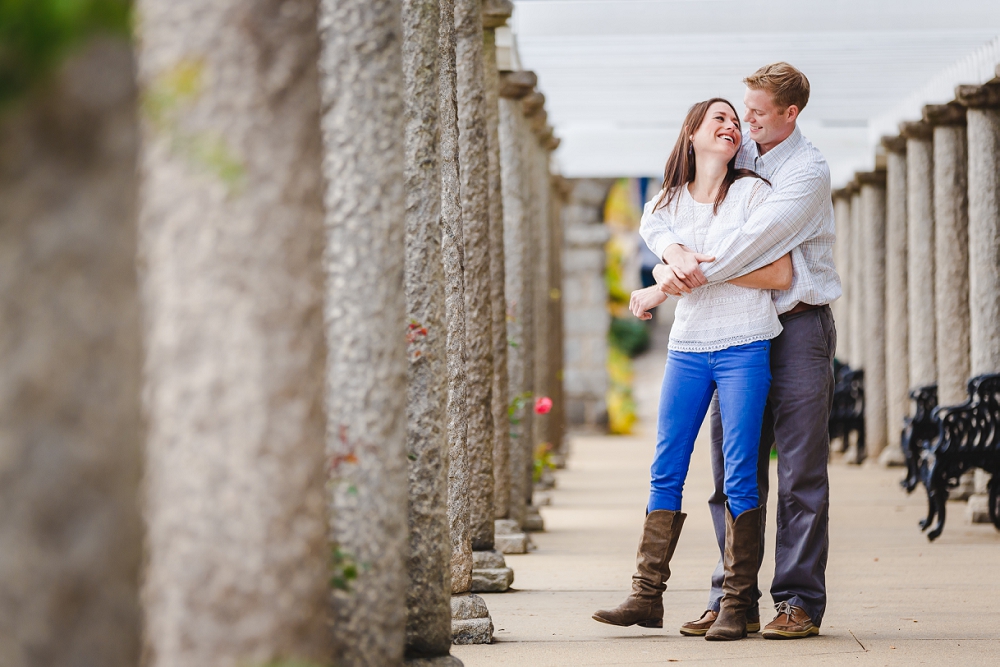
x: 798, y: 213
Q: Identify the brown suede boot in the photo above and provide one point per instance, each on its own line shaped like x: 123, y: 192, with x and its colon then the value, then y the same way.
x: 652, y: 563
x: 742, y: 554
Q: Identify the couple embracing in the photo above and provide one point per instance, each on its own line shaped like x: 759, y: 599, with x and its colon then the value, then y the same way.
x: 752, y: 328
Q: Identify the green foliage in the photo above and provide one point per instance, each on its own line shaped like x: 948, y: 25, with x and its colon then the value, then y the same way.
x: 621, y: 405
x: 629, y: 335
x: 35, y: 35
x: 343, y: 569
x: 542, y: 461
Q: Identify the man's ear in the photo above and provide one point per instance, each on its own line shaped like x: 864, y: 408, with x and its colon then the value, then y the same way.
x: 792, y: 112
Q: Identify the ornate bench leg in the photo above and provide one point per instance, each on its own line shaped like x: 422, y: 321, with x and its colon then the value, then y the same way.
x: 912, y: 460
x: 939, y: 496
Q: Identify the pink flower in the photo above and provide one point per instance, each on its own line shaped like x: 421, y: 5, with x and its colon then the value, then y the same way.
x: 543, y: 405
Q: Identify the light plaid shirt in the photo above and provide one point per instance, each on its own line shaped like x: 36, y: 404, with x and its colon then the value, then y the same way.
x: 797, y: 214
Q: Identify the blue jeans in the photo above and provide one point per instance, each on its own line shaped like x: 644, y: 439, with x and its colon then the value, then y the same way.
x: 742, y: 376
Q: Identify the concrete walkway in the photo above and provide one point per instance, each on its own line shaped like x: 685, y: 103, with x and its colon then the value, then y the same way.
x: 894, y: 598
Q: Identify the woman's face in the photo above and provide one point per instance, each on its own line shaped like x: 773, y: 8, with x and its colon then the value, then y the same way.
x: 719, y: 132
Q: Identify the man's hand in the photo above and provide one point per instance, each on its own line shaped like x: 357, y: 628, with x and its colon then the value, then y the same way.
x: 644, y: 300
x: 686, y: 264
x: 668, y: 282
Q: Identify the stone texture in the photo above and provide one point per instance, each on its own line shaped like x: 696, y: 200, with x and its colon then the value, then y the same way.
x: 472, y: 623
x: 488, y: 559
x: 495, y: 13
x: 492, y: 580
x: 363, y: 132
x: 70, y: 367
x: 473, y: 145
x: 559, y: 191
x: 428, y: 595
x: 978, y: 509
x: 453, y: 253
x: 510, y: 539
x: 533, y: 522
x: 873, y: 237
x: 586, y: 317
x: 859, y: 346
x: 897, y: 369
x: 520, y: 306
x: 951, y: 262
x: 841, y: 258
x: 984, y: 239
x: 921, y: 313
x: 231, y: 268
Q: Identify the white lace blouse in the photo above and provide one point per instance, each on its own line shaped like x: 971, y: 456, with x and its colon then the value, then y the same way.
x: 718, y: 315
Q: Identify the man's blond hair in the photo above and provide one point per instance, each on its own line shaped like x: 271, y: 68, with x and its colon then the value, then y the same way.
x: 785, y: 84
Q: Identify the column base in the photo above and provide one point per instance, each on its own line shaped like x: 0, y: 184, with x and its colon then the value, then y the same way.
x: 966, y: 487
x: 508, y: 537
x: 490, y: 573
x: 439, y: 661
x: 533, y: 522
x: 978, y: 509
x: 892, y: 457
x: 470, y: 620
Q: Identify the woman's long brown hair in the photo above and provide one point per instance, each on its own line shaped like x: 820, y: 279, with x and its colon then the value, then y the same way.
x: 680, y: 167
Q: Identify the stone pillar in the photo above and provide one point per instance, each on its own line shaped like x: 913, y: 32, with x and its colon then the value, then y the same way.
x: 951, y: 252
x: 921, y: 313
x: 897, y: 370
x: 231, y: 267
x: 495, y: 15
x: 559, y: 193
x: 70, y: 367
x: 534, y: 111
x: 859, y: 293
x: 428, y: 596
x: 471, y: 621
x: 473, y: 147
x: 585, y: 305
x: 841, y: 258
x: 363, y: 132
x: 520, y: 306
x: 873, y: 281
x: 983, y: 118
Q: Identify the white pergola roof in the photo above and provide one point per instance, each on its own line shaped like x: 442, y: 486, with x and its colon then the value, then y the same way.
x: 619, y: 75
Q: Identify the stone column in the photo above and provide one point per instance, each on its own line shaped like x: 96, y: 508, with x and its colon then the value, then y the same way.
x: 841, y: 258
x: 70, y: 367
x: 473, y: 147
x: 873, y: 283
x: 231, y: 246
x: 859, y: 346
x: 471, y: 621
x: 534, y: 111
x: 520, y: 306
x: 363, y: 132
x: 559, y: 192
x: 951, y: 252
x: 983, y: 118
x: 920, y: 253
x: 585, y: 305
x: 897, y: 368
x: 495, y: 15
x: 951, y: 260
x: 428, y: 596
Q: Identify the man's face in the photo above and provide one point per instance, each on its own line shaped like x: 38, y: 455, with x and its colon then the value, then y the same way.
x: 768, y: 124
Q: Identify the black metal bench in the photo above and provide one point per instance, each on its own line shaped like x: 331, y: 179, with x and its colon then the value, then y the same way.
x: 919, y: 431
x: 968, y: 437
x: 848, y: 413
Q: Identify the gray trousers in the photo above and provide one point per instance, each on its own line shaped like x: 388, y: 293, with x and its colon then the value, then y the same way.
x: 795, y: 421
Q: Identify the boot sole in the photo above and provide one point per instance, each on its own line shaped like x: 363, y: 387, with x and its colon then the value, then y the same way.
x: 696, y: 632
x: 648, y: 623
x: 787, y: 634
x: 725, y: 639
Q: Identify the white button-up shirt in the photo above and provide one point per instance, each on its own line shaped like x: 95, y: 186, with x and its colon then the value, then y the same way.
x: 797, y: 214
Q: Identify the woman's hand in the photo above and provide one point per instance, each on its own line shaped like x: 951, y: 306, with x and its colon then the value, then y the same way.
x: 644, y: 300
x: 776, y: 275
x: 668, y: 280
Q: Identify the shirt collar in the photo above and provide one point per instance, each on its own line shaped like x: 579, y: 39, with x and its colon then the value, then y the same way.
x: 765, y: 165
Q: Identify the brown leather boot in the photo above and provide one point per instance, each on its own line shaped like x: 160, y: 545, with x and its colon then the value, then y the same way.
x: 742, y: 554
x: 652, y: 563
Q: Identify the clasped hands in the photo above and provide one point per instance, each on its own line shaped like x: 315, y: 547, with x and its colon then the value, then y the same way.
x: 681, y: 274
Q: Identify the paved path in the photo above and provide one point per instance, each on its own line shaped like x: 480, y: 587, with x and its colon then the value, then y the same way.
x: 895, y: 598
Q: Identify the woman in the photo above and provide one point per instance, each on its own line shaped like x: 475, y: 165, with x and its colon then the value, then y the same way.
x: 720, y: 340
